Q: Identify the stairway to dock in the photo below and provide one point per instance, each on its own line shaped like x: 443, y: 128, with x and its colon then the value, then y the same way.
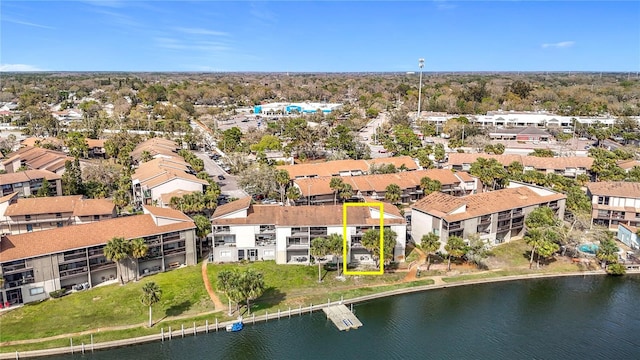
x: 342, y: 317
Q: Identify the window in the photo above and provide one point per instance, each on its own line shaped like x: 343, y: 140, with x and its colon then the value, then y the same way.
x: 225, y: 253
x: 269, y: 253
x: 58, y: 215
x: 59, y: 224
x: 27, y: 217
x: 96, y: 217
x: 603, y: 200
x: 29, y: 228
x: 36, y: 291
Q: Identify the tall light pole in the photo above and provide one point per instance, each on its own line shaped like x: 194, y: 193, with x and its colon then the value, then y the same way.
x: 420, y: 65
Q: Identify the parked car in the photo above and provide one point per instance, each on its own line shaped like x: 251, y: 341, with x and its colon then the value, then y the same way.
x: 221, y: 177
x: 382, y: 151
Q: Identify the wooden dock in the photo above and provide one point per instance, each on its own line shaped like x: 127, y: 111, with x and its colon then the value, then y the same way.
x: 342, y: 317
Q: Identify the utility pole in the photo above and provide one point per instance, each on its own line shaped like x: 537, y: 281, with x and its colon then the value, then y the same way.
x: 420, y: 65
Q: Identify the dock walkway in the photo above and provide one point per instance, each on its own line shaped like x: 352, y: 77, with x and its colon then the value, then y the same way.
x: 342, y: 317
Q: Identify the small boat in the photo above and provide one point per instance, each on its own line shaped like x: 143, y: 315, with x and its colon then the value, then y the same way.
x: 236, y: 326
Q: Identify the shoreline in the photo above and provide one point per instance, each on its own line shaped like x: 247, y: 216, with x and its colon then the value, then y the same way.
x: 162, y: 335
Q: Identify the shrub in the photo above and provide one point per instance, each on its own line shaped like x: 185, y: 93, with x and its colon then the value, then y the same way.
x: 616, y: 269
x: 57, y: 293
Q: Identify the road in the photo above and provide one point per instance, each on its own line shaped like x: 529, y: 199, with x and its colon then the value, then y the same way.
x: 368, y: 133
x: 229, y: 185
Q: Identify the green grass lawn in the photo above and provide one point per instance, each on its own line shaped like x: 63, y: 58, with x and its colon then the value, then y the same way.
x: 511, y: 255
x: 183, y: 293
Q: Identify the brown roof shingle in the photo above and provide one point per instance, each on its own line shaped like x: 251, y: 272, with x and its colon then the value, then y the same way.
x: 334, y: 168
x: 39, y: 243
x: 232, y: 207
x: 60, y: 204
x: 25, y: 176
x: 625, y: 189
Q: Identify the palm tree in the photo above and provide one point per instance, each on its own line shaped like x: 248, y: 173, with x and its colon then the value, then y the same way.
x: 428, y: 185
x: 346, y: 192
x: 203, y: 228
x: 116, y: 250
x: 393, y: 193
x: 319, y: 249
x: 429, y: 243
x: 138, y: 250
x: 335, y: 247
x: 282, y: 180
x: 336, y: 185
x: 293, y: 193
x: 225, y: 284
x: 455, y: 247
x: 151, y: 294
x: 252, y: 285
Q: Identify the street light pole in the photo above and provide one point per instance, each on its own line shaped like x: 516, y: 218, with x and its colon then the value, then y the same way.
x: 420, y: 65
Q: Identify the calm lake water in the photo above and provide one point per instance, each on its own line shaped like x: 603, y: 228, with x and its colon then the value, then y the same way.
x: 592, y: 317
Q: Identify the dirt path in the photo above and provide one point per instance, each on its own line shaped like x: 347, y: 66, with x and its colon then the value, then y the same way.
x: 412, y: 275
x: 212, y: 295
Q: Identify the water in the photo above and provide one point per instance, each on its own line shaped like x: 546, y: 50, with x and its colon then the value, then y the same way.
x: 591, y: 317
x: 588, y: 248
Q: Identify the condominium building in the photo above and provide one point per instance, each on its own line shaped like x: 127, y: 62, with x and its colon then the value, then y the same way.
x: 36, y: 158
x: 22, y: 215
x: 316, y: 191
x: 161, y: 176
x: 569, y: 166
x: 28, y: 182
x: 244, y: 231
x: 347, y: 167
x: 34, y: 264
x: 614, y: 203
x: 496, y: 216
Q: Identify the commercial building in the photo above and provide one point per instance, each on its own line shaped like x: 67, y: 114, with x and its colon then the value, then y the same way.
x: 496, y: 216
x: 20, y: 215
x: 614, y: 203
x: 34, y: 264
x: 316, y: 190
x: 295, y: 108
x: 244, y: 231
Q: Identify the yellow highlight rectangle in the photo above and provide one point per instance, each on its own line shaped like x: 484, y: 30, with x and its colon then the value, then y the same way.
x: 344, y: 238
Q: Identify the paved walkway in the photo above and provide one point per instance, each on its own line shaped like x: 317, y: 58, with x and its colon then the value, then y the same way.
x: 413, y: 271
x: 212, y: 295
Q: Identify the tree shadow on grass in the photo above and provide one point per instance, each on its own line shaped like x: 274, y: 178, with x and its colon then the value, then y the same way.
x: 178, y: 309
x: 271, y: 297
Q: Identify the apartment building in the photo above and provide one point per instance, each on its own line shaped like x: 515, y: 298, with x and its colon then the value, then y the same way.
x: 497, y: 216
x: 36, y: 158
x: 161, y: 176
x: 20, y: 215
x: 28, y: 182
x: 34, y: 264
x: 316, y: 191
x: 244, y: 231
x: 156, y: 147
x: 614, y: 203
x: 346, y: 167
x: 569, y: 166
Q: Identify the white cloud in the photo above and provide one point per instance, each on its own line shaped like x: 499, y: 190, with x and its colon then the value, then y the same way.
x: 205, y: 46
x: 444, y: 5
x: 562, y: 44
x: 19, y: 67
x: 26, y: 23
x: 199, y: 31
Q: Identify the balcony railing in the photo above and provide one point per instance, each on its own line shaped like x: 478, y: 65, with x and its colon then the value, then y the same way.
x: 504, y: 227
x: 485, y: 220
x: 455, y: 226
x: 174, y: 251
x: 517, y: 225
x: 72, y: 272
x: 16, y: 283
x: 11, y: 268
x: 504, y: 216
x: 104, y: 265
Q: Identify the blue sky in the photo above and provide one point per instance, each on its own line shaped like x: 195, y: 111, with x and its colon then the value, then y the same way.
x: 319, y: 36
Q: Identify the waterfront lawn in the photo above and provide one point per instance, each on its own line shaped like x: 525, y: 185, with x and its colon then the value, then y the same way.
x: 513, y: 254
x: 297, y: 285
x: 183, y: 293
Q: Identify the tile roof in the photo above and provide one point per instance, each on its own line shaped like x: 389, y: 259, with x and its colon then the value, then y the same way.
x: 158, y: 171
x: 39, y: 243
x: 38, y: 158
x: 333, y: 168
x: 155, y: 146
x: 308, y: 215
x: 625, y: 189
x: 232, y: 207
x: 60, y: 204
x: 32, y: 141
x: 442, y: 205
x: 95, y: 143
x: 628, y: 164
x: 379, y: 182
x: 559, y: 163
x: 8, y: 197
x: 25, y: 176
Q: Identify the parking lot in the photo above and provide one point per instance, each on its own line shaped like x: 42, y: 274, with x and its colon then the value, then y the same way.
x: 229, y: 185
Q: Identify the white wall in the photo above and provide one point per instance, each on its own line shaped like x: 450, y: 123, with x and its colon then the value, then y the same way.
x: 245, y: 235
x: 421, y: 224
x: 173, y: 185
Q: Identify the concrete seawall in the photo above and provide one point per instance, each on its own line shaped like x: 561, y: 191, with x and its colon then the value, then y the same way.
x: 193, y: 330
